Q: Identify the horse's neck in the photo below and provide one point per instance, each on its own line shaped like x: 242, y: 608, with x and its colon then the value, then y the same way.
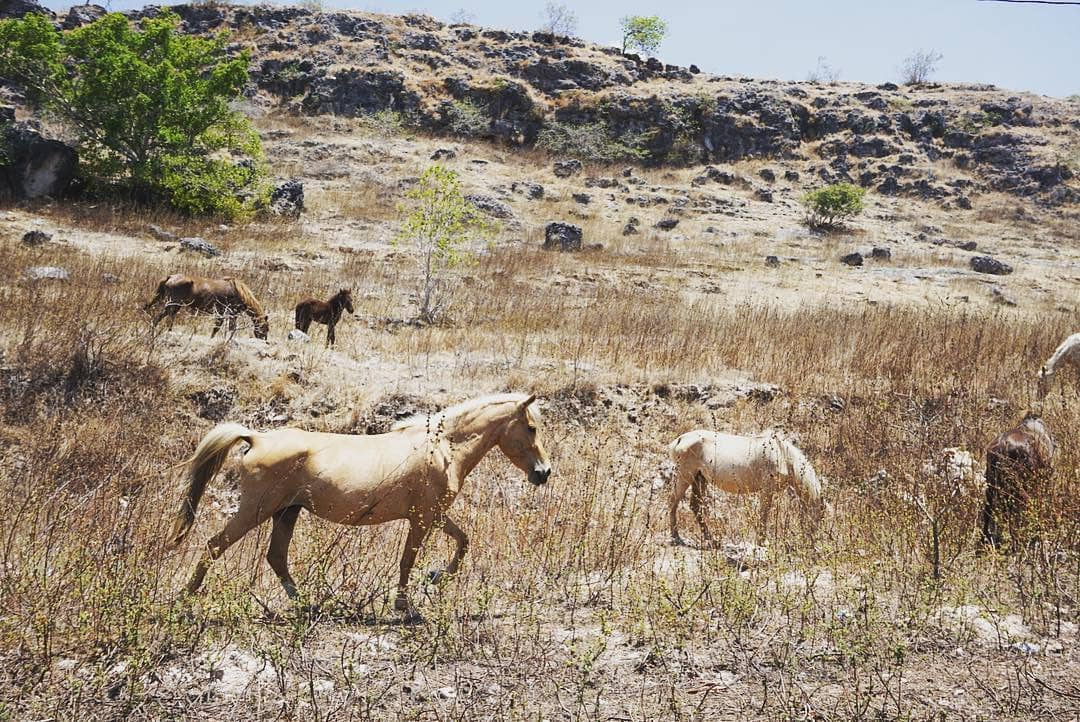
x: 472, y: 435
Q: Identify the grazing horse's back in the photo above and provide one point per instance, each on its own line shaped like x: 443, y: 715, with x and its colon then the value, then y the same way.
x: 1013, y: 460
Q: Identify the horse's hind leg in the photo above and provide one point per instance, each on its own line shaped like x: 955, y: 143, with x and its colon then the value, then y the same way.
x: 278, y: 554
x: 243, y: 521
x: 330, y: 338
x: 682, y: 483
x: 218, y: 319
x: 697, y: 499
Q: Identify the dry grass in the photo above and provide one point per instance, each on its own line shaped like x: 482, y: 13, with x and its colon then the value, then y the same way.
x: 570, y: 603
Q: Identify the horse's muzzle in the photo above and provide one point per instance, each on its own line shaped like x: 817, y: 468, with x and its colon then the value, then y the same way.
x: 539, y: 475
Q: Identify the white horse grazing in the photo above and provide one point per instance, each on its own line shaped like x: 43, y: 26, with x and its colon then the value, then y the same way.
x: 739, y: 465
x: 1067, y: 354
x: 413, y: 472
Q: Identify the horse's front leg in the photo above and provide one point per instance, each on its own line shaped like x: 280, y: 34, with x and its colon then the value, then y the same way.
x: 452, y: 530
x: 418, y: 531
x: 330, y: 338
x: 218, y: 319
x: 767, y: 497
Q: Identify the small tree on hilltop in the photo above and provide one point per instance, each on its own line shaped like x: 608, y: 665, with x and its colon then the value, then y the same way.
x: 558, y: 19
x: 829, y: 206
x: 919, y: 66
x: 643, y: 33
x: 440, y: 226
x: 149, y: 107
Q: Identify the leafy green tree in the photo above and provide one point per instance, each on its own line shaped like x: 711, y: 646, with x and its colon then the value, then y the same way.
x: 643, y: 33
x: 440, y: 226
x: 149, y: 107
x: 828, y: 206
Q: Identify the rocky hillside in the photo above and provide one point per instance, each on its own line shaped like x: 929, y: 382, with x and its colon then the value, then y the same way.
x: 948, y: 143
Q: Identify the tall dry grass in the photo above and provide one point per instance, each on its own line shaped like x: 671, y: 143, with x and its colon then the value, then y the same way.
x: 570, y: 603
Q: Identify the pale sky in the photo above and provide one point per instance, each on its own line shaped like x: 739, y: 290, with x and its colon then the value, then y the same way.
x: 1019, y: 47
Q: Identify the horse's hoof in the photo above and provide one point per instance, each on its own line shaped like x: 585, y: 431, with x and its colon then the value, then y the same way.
x: 676, y: 541
x: 437, y: 576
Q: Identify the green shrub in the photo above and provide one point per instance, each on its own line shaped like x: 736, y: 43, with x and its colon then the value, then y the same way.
x: 439, y: 226
x: 832, y: 205
x: 590, y: 141
x: 642, y: 32
x: 148, y: 107
x: 467, y: 119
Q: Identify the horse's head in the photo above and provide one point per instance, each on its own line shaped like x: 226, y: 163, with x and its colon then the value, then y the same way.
x: 262, y: 327
x: 521, y: 443
x: 345, y: 295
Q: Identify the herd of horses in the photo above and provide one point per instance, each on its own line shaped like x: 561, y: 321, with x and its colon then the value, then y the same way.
x: 416, y: 470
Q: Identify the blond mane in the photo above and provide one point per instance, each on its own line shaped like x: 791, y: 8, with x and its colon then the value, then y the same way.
x: 465, y: 407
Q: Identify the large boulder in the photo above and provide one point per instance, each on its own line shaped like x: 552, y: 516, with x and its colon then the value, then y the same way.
x: 34, y: 166
x: 287, y: 200
x: 80, y: 15
x: 354, y: 92
x: 987, y: 264
x: 562, y: 237
x: 18, y: 8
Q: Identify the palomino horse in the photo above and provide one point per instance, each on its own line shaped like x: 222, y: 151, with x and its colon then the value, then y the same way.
x: 1067, y: 354
x: 1013, y: 460
x: 224, y: 297
x: 326, y: 312
x: 739, y: 465
x: 413, y: 472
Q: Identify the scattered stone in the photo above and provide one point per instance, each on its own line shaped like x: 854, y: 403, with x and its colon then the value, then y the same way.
x: 742, y: 555
x: 47, y: 273
x: 881, y: 253
x: 444, y: 154
x: 567, y: 168
x: 987, y: 264
x: 562, y: 236
x: 287, y: 200
x: 667, y: 224
x: 532, y: 191
x: 963, y: 202
x: 162, y: 235
x: 791, y: 175
x: 852, y: 259
x: 492, y: 206
x: 34, y: 166
x: 767, y: 174
x: 968, y: 246
x: 764, y: 194
x: 199, y: 245
x: 215, y: 403
x: 299, y: 336
x: 997, y: 295
x: 36, y: 238
x: 583, y: 198
x: 631, y: 227
x: 772, y: 261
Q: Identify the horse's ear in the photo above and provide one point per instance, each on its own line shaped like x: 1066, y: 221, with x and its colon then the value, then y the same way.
x: 525, y: 404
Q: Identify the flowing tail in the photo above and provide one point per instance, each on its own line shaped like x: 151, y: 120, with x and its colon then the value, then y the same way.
x: 205, y: 464
x: 303, y: 316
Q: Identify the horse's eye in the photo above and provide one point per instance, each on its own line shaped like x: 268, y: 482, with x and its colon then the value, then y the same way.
x: 532, y: 429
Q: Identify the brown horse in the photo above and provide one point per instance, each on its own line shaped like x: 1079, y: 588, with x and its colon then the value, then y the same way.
x: 224, y: 298
x: 1013, y: 460
x: 327, y: 312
